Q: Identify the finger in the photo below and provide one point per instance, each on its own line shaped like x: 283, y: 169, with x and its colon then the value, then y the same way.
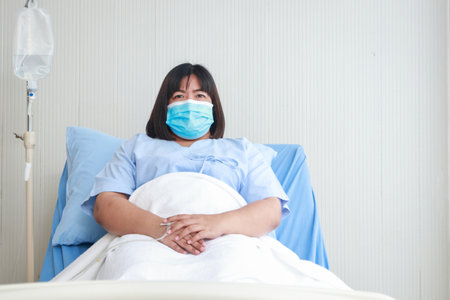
x: 186, y: 232
x: 183, y: 243
x: 189, y: 248
x: 199, y: 245
x: 186, y: 243
x: 200, y: 241
x: 182, y: 223
x: 199, y: 238
x: 177, y: 218
x: 175, y: 247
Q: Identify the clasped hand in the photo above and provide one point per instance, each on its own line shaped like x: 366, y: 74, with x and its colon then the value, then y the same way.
x: 187, y: 233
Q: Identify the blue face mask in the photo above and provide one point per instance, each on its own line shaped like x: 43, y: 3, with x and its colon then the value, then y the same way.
x: 190, y: 119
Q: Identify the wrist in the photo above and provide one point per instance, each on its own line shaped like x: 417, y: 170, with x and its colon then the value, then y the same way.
x: 225, y: 223
x: 154, y: 227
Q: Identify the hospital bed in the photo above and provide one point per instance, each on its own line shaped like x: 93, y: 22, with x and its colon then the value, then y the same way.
x: 73, y: 233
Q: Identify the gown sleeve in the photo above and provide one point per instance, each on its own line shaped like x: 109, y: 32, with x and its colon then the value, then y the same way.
x: 260, y: 181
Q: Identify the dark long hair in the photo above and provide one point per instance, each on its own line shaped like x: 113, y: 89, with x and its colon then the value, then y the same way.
x: 156, y: 125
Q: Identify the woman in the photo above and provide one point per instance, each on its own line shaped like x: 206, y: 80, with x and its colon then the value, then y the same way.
x: 185, y: 134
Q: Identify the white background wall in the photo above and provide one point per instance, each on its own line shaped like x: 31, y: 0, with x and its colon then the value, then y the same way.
x: 362, y: 85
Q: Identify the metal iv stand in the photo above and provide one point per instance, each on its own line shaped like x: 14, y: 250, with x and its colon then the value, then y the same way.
x: 29, y: 142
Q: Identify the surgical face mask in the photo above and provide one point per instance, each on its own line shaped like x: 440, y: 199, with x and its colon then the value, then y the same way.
x: 190, y: 119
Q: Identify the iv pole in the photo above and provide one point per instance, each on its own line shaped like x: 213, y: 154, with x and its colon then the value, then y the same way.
x: 33, y: 19
x: 29, y: 141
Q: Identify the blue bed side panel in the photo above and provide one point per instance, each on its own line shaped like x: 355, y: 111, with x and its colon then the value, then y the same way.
x: 59, y: 257
x: 300, y: 231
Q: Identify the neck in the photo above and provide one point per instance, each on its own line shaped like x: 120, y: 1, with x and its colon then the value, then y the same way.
x: 188, y: 143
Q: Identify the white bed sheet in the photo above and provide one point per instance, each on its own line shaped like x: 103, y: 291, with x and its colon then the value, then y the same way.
x: 230, y: 258
x: 275, y: 273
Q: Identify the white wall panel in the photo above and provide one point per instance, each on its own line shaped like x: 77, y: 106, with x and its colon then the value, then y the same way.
x: 362, y: 85
x: 2, y: 113
x: 12, y: 160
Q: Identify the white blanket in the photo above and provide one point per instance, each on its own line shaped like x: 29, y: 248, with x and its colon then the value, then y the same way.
x: 230, y: 258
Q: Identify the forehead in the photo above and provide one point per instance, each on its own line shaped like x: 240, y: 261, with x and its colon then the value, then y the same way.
x: 190, y: 83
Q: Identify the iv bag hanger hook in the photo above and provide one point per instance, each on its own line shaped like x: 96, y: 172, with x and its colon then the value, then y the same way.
x: 33, y: 3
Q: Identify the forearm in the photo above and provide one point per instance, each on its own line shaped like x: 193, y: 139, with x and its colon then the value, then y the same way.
x: 255, y: 219
x: 118, y: 216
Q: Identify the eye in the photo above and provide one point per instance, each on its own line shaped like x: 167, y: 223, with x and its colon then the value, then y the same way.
x: 202, y: 95
x: 178, y: 96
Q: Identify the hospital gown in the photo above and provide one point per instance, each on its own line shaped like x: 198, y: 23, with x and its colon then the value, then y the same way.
x: 236, y: 162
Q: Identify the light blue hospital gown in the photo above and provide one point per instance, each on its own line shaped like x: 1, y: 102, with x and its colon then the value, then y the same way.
x: 236, y: 162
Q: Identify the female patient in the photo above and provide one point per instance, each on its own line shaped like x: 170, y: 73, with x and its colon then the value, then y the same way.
x: 185, y: 134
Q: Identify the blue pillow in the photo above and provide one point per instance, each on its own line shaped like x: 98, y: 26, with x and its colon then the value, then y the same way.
x: 268, y: 153
x: 88, y: 151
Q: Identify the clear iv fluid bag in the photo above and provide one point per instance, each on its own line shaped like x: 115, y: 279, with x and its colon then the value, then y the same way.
x: 32, y: 67
x: 33, y: 44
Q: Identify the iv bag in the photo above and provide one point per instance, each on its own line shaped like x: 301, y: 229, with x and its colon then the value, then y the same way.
x: 33, y: 43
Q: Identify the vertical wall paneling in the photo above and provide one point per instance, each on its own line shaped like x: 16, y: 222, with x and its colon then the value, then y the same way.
x: 361, y: 85
x: 57, y: 107
x: 2, y: 113
x: 13, y: 95
x: 448, y: 143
